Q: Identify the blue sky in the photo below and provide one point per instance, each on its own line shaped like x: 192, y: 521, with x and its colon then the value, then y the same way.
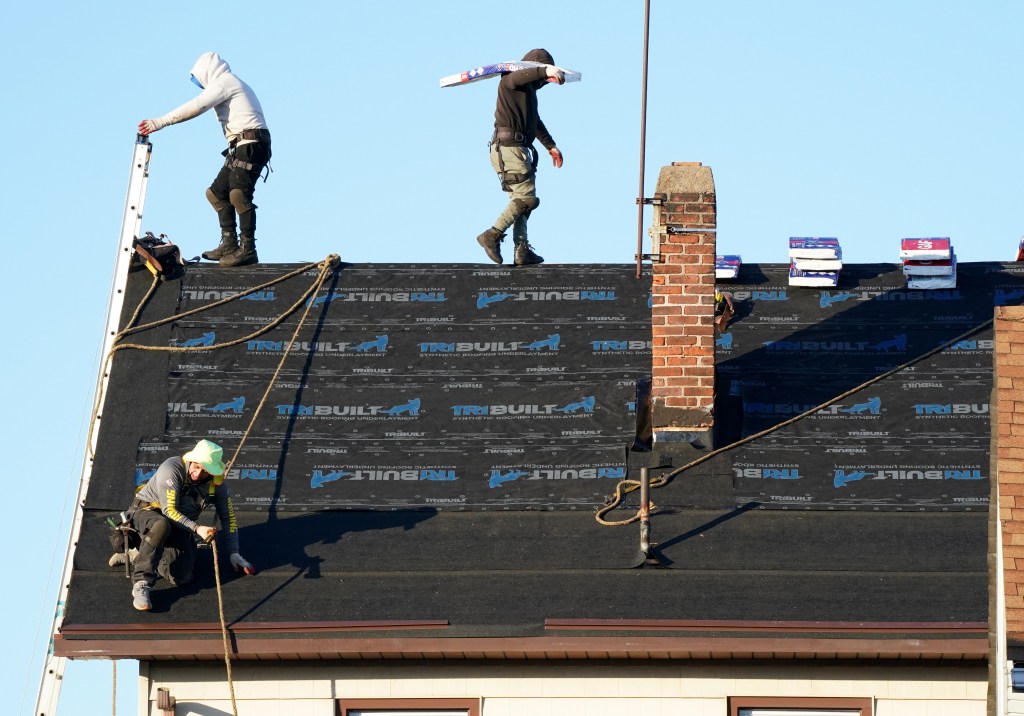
x: 868, y: 121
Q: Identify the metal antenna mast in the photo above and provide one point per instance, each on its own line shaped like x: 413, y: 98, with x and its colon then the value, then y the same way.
x: 643, y: 145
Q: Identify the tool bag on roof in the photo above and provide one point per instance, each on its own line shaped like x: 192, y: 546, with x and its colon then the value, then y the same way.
x: 122, y: 535
x: 159, y: 256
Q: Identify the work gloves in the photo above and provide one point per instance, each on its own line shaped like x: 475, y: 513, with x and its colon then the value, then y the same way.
x: 555, y: 75
x: 206, y: 534
x: 148, y: 126
x: 239, y: 563
x: 556, y: 157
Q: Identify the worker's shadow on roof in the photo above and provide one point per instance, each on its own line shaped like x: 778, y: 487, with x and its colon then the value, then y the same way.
x: 291, y: 540
x: 289, y: 545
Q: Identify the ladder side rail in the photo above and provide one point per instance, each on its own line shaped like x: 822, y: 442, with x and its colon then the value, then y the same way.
x: 131, y: 222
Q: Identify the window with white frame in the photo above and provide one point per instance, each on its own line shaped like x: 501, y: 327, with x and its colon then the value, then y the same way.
x: 784, y: 706
x: 409, y: 707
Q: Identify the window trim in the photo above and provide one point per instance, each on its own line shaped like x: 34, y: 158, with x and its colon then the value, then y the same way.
x: 472, y: 706
x: 865, y: 705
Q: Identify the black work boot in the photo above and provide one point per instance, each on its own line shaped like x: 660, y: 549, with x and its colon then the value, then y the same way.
x: 525, y: 255
x: 491, y: 241
x: 243, y: 256
x: 228, y: 245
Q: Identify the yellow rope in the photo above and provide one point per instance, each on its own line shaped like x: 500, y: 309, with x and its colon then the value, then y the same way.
x: 324, y: 265
x: 332, y: 259
x: 325, y: 270
x: 624, y: 487
x: 138, y: 309
x: 280, y: 365
x: 224, y: 630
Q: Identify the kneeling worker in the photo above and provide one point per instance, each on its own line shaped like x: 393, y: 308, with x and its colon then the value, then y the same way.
x: 164, y: 513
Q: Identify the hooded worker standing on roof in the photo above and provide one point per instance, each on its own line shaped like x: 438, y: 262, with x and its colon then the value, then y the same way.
x: 516, y: 125
x: 165, y: 513
x: 248, y: 152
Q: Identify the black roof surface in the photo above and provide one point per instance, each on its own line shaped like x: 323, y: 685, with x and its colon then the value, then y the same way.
x: 870, y: 511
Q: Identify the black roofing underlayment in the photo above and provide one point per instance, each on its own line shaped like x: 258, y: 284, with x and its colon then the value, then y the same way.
x: 439, y: 438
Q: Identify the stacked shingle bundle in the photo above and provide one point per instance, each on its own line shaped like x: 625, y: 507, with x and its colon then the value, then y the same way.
x: 727, y: 267
x: 814, y: 261
x: 928, y: 263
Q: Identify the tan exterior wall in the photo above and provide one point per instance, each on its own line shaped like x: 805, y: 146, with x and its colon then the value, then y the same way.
x: 1014, y: 703
x: 576, y: 689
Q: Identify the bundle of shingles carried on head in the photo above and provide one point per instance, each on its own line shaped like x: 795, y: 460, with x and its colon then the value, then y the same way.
x: 814, y: 261
x: 928, y: 263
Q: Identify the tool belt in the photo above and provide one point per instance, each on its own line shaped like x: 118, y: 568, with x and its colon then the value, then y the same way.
x: 259, y: 135
x: 138, y: 504
x: 508, y: 137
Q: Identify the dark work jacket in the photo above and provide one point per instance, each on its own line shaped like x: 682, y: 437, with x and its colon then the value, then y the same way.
x: 517, y: 105
x: 181, y: 500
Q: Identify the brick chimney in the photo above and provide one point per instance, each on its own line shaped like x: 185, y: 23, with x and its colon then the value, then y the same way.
x: 683, y: 301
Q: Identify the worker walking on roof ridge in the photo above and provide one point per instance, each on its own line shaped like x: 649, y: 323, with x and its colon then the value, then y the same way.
x: 165, y: 513
x: 248, y: 152
x: 516, y: 125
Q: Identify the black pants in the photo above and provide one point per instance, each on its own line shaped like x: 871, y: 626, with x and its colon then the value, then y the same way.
x: 167, y: 550
x: 232, y: 177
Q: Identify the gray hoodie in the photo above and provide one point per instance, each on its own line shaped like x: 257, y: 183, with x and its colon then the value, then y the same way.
x: 234, y: 101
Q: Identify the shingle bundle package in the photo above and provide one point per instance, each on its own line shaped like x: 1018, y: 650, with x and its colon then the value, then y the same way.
x: 727, y: 267
x: 814, y: 261
x: 928, y: 263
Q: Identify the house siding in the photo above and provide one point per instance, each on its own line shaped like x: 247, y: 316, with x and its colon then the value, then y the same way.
x: 578, y: 689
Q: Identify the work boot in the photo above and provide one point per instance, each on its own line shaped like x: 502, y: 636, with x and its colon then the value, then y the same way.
x: 140, y: 597
x: 491, y: 241
x: 118, y: 558
x: 243, y: 256
x: 525, y: 255
x: 228, y: 245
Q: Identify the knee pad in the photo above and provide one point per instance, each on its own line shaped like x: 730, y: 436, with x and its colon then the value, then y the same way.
x: 238, y: 200
x: 216, y: 202
x: 158, y: 533
x: 526, y: 206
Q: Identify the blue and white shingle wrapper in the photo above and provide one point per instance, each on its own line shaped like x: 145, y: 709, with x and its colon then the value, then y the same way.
x: 727, y: 267
x: 484, y: 72
x: 814, y: 261
x: 931, y: 267
x: 815, y: 248
x: 933, y: 282
x: 798, y: 277
x: 835, y: 264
